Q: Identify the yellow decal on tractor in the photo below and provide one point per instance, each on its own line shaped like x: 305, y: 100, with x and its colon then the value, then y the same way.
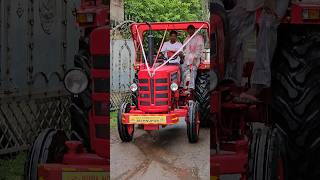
x: 85, y: 176
x: 147, y: 119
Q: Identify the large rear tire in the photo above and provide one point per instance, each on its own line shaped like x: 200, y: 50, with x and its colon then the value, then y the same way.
x: 125, y: 131
x: 202, y: 95
x: 49, y: 147
x: 296, y: 97
x: 265, y: 161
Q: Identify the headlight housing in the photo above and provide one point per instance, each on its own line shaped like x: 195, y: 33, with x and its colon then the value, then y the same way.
x: 174, y: 86
x: 76, y: 81
x: 133, y: 87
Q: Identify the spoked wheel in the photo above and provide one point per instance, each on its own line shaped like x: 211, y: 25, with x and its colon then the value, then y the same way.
x: 265, y: 160
x: 193, y: 123
x: 49, y: 147
x: 125, y: 131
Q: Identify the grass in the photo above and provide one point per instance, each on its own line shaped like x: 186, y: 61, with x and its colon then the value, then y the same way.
x: 113, y: 119
x: 12, y: 169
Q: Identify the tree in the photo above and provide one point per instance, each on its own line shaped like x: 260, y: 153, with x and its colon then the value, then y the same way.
x: 164, y: 10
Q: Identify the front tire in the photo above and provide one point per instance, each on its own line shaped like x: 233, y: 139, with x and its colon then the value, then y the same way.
x: 49, y: 147
x: 125, y: 131
x: 265, y: 160
x: 193, y: 123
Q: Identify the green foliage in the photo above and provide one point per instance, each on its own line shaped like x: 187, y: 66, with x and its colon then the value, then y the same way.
x: 13, y: 168
x: 113, y: 119
x: 164, y: 10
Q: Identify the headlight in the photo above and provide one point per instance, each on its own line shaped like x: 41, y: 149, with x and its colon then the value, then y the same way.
x: 213, y: 80
x: 133, y: 87
x: 76, y: 81
x: 174, y: 86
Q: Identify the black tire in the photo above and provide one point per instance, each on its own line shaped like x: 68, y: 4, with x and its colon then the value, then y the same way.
x: 265, y: 155
x: 193, y: 126
x: 79, y: 124
x: 82, y: 103
x: 296, y: 97
x: 49, y: 147
x: 124, y: 134
x: 202, y: 95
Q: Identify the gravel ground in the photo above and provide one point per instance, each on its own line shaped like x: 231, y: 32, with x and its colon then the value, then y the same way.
x: 161, y: 155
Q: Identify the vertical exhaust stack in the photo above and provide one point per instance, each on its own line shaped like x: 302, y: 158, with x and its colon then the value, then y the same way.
x: 150, y: 45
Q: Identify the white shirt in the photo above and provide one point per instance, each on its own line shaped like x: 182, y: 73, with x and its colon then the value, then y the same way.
x: 168, y: 46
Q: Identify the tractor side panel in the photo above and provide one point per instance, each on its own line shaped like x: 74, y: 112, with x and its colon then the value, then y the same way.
x: 99, y: 117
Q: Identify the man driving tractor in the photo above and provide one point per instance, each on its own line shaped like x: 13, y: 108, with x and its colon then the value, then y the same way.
x: 189, y: 59
x: 170, y: 47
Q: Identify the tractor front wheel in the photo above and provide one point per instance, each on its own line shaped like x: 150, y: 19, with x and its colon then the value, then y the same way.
x: 265, y: 160
x: 193, y: 122
x: 125, y: 131
x: 49, y: 147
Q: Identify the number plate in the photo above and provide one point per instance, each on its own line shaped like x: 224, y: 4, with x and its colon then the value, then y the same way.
x: 84, y: 175
x: 147, y: 119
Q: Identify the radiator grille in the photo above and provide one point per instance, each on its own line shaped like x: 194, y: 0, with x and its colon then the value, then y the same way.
x: 152, y: 91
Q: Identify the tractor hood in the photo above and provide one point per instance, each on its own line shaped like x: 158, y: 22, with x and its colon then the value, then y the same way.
x: 154, y: 92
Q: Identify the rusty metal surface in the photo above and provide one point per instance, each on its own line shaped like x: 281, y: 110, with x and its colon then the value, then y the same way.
x: 38, y: 41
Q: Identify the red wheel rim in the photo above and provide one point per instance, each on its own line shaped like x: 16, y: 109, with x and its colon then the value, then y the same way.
x: 130, y: 128
x: 280, y: 170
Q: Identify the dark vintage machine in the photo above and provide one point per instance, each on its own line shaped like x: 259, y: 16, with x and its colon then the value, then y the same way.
x: 260, y: 140
x: 53, y: 154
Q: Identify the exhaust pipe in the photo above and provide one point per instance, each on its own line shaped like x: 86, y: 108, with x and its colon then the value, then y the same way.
x: 150, y: 45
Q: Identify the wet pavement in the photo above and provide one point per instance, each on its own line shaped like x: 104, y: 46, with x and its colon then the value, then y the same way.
x: 161, y: 155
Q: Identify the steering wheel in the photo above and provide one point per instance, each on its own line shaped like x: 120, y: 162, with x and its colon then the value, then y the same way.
x: 171, y: 53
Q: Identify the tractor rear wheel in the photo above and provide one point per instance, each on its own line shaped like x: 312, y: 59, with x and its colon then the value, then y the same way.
x: 49, y: 147
x: 202, y: 95
x: 265, y: 161
x: 296, y: 97
x: 193, y: 123
x: 125, y: 131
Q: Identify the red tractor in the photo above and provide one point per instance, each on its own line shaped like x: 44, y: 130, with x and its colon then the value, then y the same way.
x: 157, y: 99
x: 85, y: 155
x: 276, y: 138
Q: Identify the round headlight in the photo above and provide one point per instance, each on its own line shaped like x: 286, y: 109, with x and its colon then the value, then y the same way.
x: 213, y: 80
x: 76, y: 81
x: 133, y: 87
x: 174, y: 86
